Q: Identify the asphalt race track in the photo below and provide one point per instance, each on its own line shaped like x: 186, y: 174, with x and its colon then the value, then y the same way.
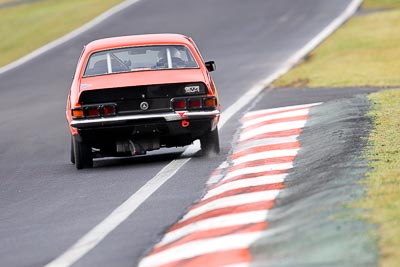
x: 46, y: 205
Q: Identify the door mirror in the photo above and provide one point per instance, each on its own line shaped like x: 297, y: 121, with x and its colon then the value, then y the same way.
x: 210, y: 65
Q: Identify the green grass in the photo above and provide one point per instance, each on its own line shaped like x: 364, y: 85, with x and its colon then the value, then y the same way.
x: 383, y: 182
x: 365, y: 52
x: 378, y: 4
x: 29, y: 26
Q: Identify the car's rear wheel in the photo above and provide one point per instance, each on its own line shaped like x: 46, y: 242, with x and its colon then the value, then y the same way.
x: 210, y: 143
x: 82, y: 155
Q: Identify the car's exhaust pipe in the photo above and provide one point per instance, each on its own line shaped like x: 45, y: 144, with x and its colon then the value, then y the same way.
x: 127, y: 146
x: 137, y: 147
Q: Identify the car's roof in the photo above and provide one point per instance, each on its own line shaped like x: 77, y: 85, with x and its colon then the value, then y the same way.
x: 138, y: 40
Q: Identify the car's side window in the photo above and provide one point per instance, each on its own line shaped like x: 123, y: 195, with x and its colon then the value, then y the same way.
x: 97, y: 64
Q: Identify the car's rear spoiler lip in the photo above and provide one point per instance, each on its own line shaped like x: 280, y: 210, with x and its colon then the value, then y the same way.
x: 170, y: 116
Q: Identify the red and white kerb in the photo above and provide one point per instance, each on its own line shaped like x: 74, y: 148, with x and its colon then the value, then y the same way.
x: 218, y: 230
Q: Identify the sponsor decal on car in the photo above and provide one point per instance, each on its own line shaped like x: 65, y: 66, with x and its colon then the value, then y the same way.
x: 85, y: 85
x: 192, y: 89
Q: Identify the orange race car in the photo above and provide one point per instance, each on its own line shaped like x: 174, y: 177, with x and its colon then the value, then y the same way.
x: 134, y: 94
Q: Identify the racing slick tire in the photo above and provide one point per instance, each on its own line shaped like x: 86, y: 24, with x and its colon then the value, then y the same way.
x: 82, y: 155
x: 210, y: 143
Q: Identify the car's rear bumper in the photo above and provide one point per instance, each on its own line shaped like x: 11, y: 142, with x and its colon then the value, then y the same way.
x: 167, y: 117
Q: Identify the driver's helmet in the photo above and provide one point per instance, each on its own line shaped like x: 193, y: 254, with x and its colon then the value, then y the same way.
x: 175, y: 53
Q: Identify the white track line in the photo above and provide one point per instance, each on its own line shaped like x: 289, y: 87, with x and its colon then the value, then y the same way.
x: 120, y: 214
x: 201, y: 247
x: 93, y: 237
x: 242, y: 218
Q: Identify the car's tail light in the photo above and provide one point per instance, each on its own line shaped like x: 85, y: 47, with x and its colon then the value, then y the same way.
x: 210, y: 102
x: 109, y: 110
x: 194, y: 103
x: 78, y: 113
x: 179, y: 103
x: 92, y: 111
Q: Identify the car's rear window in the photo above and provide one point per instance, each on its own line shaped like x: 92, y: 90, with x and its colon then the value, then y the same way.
x: 141, y: 58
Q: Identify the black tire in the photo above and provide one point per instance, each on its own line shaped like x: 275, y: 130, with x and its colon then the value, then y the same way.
x: 72, y: 151
x: 83, y: 155
x: 210, y: 143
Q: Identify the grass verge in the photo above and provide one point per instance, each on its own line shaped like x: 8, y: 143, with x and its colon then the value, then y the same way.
x: 365, y: 52
x: 383, y: 183
x: 26, y: 27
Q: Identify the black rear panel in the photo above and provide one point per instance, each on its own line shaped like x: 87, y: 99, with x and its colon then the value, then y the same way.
x: 139, y: 92
x: 128, y: 99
